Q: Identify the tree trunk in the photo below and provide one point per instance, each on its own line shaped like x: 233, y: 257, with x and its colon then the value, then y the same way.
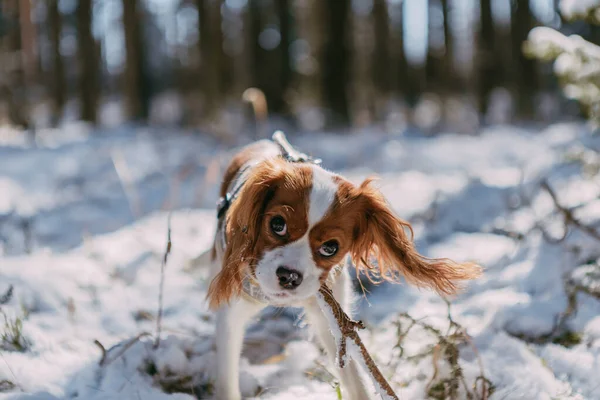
x: 58, y: 83
x: 271, y: 66
x: 88, y: 63
x: 486, y: 56
x: 309, y: 27
x: 137, y: 88
x: 211, y: 55
x: 285, y: 78
x: 381, y: 56
x: 13, y: 86
x: 28, y: 42
x: 431, y: 60
x: 402, y: 82
x: 336, y: 60
x: 449, y: 77
x: 526, y: 78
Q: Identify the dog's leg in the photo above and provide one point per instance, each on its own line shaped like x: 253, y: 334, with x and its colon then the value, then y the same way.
x: 352, y: 384
x: 231, y: 322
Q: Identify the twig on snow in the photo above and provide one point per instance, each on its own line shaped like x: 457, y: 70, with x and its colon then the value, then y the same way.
x: 162, y: 283
x: 448, y: 348
x: 5, y: 298
x: 105, y: 360
x: 102, y: 349
x: 569, y: 217
x: 345, y: 330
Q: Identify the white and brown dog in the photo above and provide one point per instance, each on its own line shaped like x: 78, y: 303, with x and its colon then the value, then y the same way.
x: 286, y: 227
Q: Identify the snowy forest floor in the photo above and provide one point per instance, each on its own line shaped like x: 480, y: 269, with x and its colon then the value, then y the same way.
x: 83, y: 226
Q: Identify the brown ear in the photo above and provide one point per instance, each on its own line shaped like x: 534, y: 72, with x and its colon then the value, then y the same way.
x: 242, y: 229
x: 382, y: 236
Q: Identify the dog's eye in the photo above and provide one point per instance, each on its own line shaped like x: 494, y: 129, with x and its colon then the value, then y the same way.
x: 278, y: 226
x: 329, y: 248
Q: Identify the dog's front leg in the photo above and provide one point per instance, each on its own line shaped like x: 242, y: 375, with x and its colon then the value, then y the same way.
x: 231, y: 322
x: 352, y: 384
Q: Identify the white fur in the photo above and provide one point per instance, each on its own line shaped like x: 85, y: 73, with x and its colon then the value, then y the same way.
x: 233, y: 317
x: 322, y: 194
x: 296, y: 255
x: 231, y: 321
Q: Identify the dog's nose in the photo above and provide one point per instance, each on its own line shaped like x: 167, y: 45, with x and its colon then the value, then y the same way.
x: 288, y: 278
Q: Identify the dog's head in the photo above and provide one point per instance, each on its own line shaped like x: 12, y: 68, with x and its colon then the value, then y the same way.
x: 292, y: 223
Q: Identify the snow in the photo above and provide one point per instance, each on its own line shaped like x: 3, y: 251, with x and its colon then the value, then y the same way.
x: 577, y: 8
x: 82, y: 246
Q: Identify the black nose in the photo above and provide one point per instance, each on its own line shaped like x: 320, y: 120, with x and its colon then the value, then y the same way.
x: 289, y: 278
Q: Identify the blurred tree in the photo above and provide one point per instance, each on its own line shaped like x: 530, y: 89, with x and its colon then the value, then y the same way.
x: 137, y: 83
x: 309, y: 26
x: 487, y: 56
x: 57, y: 81
x: 211, y: 55
x: 28, y: 42
x: 436, y: 75
x: 13, y: 88
x: 270, y: 52
x: 88, y: 62
x: 381, y: 61
x: 448, y: 68
x: 525, y: 78
x: 403, y: 84
x: 284, y: 16
x: 335, y: 56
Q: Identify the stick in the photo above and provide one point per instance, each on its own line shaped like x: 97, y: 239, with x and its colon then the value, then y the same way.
x: 347, y: 329
x: 102, y: 349
x: 105, y: 360
x: 162, y: 283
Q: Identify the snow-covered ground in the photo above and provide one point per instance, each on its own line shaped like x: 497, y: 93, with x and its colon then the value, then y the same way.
x: 83, y: 225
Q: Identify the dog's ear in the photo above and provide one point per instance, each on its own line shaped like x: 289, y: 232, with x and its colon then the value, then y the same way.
x: 242, y: 230
x: 382, y: 237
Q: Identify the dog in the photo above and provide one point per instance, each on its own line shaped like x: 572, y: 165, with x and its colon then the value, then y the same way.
x: 285, y: 227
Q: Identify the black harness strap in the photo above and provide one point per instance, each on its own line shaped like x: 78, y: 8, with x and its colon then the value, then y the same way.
x: 225, y: 202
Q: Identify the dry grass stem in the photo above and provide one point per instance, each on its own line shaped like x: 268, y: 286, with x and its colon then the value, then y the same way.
x: 163, y: 266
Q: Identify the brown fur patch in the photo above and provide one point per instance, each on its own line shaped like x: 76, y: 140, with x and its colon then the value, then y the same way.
x: 364, y: 225
x: 382, y: 236
x: 254, y: 151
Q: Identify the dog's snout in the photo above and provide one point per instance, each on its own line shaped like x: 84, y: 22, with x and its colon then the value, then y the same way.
x: 288, y: 278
